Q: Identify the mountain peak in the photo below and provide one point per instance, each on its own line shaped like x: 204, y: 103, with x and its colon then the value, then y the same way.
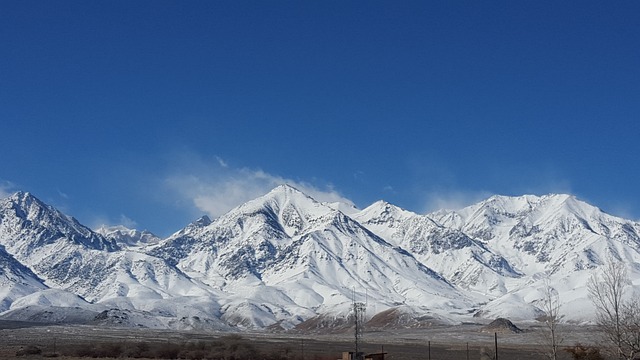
x: 528, y: 202
x: 381, y: 213
x: 507, y: 199
x: 286, y: 192
x: 514, y: 205
x: 285, y: 188
x: 25, y: 204
x: 19, y: 194
x: 203, y: 221
x: 527, y: 198
x: 383, y: 207
x: 45, y: 225
x: 380, y: 204
x: 22, y: 197
x: 283, y: 195
x: 573, y: 205
x: 124, y: 235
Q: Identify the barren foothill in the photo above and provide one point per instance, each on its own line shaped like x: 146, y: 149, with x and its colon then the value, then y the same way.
x: 436, y: 342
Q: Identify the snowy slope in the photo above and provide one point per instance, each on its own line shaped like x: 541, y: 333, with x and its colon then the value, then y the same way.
x: 16, y: 280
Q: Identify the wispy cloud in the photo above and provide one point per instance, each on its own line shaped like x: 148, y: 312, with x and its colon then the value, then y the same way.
x: 7, y: 188
x: 549, y: 184
x: 124, y: 220
x: 63, y: 195
x: 448, y: 189
x: 456, y: 199
x: 127, y: 222
x: 221, y: 162
x: 453, y: 199
x: 215, y: 187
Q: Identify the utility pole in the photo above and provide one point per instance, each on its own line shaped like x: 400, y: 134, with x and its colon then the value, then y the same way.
x: 358, y: 315
x: 358, y: 309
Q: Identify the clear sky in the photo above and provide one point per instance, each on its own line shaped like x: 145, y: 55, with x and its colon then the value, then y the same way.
x: 152, y: 113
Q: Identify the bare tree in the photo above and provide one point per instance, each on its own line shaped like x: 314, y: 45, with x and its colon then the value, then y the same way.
x: 607, y: 294
x: 486, y: 354
x: 631, y: 328
x: 551, y: 319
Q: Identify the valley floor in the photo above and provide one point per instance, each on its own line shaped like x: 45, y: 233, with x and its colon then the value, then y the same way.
x: 438, y: 342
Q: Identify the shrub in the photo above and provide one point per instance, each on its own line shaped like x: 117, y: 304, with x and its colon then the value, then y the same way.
x: 583, y: 352
x: 137, y: 350
x: 193, y: 354
x: 167, y: 351
x: 102, y: 350
x: 110, y: 350
x: 29, y: 350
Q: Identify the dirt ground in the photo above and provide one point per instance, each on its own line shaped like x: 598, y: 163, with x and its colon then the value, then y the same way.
x: 437, y: 343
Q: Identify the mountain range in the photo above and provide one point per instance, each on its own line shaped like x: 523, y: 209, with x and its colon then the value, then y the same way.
x: 286, y: 261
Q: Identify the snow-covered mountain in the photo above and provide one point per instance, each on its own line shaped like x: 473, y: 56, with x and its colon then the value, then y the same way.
x: 464, y: 261
x: 548, y: 233
x: 554, y: 236
x: 296, y: 256
x: 69, y: 256
x: 285, y: 260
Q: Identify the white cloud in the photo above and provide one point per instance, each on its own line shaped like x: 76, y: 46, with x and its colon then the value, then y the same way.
x: 215, y: 187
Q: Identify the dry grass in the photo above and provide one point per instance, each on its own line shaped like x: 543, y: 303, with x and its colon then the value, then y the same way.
x: 83, y: 342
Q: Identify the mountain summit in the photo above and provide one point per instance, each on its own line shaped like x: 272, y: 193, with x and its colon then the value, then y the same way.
x: 286, y: 260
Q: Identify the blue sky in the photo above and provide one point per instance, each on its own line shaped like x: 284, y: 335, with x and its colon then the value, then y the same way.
x: 152, y: 113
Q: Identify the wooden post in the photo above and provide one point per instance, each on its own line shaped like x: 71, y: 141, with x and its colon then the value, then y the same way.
x: 467, y: 351
x: 495, y: 334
